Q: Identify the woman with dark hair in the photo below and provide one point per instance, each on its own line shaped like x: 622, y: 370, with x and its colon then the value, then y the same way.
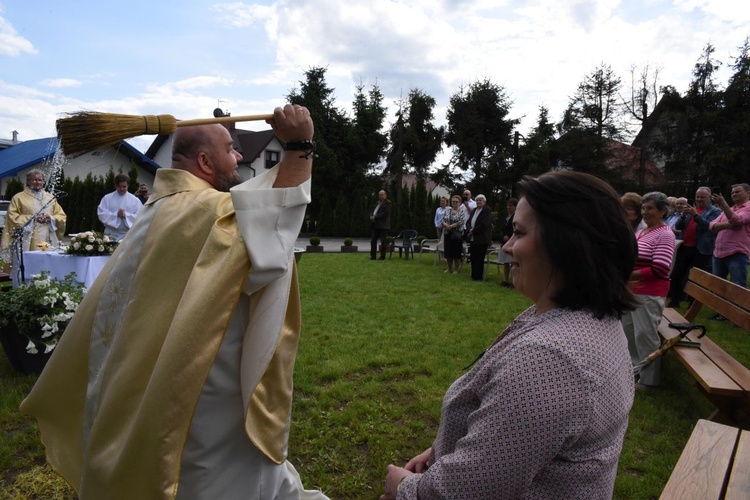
x: 543, y: 412
x: 479, y: 227
x: 453, y: 239
x: 650, y: 283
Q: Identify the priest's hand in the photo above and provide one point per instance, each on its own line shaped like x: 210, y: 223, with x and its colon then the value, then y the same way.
x: 292, y: 124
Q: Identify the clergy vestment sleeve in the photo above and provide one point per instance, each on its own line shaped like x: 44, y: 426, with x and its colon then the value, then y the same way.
x: 275, y: 213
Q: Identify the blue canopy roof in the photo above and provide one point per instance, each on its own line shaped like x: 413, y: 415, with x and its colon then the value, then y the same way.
x: 29, y: 153
x: 26, y: 154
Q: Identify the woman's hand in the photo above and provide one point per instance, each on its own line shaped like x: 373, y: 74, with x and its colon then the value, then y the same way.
x: 419, y: 463
x: 393, y: 481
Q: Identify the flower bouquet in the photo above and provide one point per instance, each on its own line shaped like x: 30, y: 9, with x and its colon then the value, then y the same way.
x: 33, y: 317
x: 90, y: 243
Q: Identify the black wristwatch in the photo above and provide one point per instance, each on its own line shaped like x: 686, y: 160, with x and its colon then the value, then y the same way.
x: 307, y: 145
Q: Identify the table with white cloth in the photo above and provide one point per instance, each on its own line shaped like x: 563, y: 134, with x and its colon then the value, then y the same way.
x: 60, y: 265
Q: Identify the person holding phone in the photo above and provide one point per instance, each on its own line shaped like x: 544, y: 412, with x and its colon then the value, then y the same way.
x: 697, y: 242
x: 732, y: 230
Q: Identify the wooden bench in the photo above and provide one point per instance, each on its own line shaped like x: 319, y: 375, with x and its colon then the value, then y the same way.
x: 714, y: 464
x: 723, y: 379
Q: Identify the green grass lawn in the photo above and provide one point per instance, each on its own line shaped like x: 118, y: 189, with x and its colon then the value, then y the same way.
x: 381, y: 342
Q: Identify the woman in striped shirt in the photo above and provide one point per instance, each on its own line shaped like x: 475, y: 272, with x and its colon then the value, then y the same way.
x: 650, y: 284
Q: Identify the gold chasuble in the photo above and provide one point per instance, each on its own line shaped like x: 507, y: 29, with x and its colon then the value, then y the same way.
x: 22, y: 208
x: 115, y: 402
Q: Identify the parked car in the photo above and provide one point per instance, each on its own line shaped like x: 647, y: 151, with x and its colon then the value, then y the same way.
x: 4, y: 204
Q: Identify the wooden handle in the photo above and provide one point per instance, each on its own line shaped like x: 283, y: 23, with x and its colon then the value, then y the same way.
x: 223, y: 119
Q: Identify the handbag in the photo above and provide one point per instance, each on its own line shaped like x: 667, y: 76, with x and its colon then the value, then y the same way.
x: 457, y: 234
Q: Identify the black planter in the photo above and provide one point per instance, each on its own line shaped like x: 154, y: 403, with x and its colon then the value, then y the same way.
x: 14, y: 346
x: 349, y: 248
x: 314, y: 248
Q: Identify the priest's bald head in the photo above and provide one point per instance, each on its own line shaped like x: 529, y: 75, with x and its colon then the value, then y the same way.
x: 207, y: 152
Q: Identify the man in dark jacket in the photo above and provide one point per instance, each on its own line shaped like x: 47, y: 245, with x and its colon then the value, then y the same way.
x: 381, y: 223
x: 479, y: 225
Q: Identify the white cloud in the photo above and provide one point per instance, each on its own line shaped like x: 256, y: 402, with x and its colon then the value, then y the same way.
x: 239, y: 14
x: 197, y: 82
x: 11, y: 43
x: 61, y: 83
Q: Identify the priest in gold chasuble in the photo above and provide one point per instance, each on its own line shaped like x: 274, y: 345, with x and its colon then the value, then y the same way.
x: 174, y: 378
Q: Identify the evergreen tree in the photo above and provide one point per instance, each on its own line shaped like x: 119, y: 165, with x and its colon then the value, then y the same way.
x: 332, y: 130
x: 13, y: 187
x: 735, y: 123
x: 342, y: 218
x: 536, y: 152
x: 325, y: 219
x: 415, y: 140
x: 594, y: 117
x: 690, y: 143
x: 479, y: 133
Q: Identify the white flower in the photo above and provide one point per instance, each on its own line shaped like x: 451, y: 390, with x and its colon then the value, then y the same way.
x: 31, y: 348
x: 70, y: 304
x: 42, y: 283
x: 49, y: 348
x: 106, y: 239
x: 89, y: 248
x: 101, y: 248
x: 88, y: 234
x: 91, y: 239
x: 73, y: 239
x: 76, y: 246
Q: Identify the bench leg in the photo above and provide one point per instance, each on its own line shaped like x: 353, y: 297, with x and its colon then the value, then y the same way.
x: 729, y: 410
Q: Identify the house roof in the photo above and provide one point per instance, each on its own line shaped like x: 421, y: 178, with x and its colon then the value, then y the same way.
x: 26, y: 154
x: 626, y: 159
x: 29, y: 153
x: 251, y: 144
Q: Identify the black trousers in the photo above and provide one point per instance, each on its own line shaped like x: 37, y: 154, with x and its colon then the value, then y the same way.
x: 686, y: 259
x: 477, y: 253
x: 378, y: 235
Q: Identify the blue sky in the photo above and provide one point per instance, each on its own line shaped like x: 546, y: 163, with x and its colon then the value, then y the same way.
x: 186, y: 58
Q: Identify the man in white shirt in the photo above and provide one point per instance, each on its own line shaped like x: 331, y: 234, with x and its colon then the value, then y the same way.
x: 468, y: 205
x: 118, y: 209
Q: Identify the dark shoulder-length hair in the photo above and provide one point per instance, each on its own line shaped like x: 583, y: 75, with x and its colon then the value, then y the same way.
x: 587, y: 238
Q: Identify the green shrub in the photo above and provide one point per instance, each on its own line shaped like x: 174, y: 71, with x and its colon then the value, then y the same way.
x: 314, y: 241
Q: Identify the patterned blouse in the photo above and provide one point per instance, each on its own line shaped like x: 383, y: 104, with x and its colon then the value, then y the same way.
x: 451, y: 217
x: 541, y: 415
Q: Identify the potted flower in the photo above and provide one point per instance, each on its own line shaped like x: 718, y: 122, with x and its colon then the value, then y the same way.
x: 314, y: 245
x: 347, y: 247
x: 91, y: 243
x: 34, y: 316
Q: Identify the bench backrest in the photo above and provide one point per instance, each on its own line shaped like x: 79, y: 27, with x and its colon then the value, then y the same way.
x: 720, y: 295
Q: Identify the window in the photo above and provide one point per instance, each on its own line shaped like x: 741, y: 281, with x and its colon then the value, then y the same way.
x: 272, y: 158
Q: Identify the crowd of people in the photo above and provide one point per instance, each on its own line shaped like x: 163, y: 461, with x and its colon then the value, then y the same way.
x: 191, y: 380
x: 673, y: 236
